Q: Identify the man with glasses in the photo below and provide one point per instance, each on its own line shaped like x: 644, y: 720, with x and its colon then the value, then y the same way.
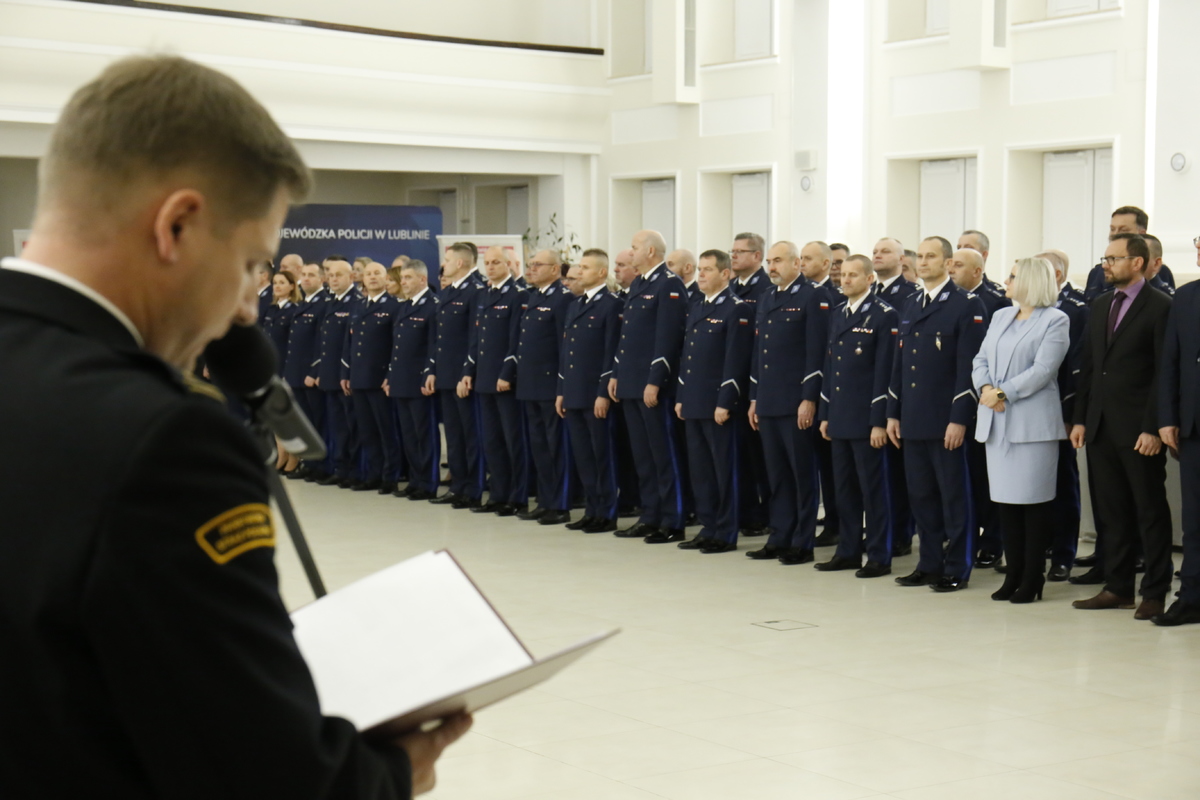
x: 840, y: 253
x: 749, y: 282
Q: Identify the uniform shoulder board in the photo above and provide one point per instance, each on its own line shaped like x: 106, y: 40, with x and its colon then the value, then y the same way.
x: 197, y: 386
x: 968, y: 294
x: 883, y: 306
x: 1076, y: 301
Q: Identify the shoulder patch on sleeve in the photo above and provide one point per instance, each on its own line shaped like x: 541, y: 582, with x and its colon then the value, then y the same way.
x: 228, y: 535
x: 197, y: 386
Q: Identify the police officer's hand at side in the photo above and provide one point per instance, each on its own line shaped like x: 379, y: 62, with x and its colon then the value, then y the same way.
x: 825, y: 430
x: 425, y: 747
x: 558, y: 407
x: 679, y: 410
x: 955, y: 434
x: 879, y: 437
x: 601, y: 407
x: 805, y: 414
x: 893, y: 432
x: 612, y: 389
x: 503, y: 386
x: 650, y: 395
x: 346, y: 387
x: 310, y: 381
x: 753, y: 414
x: 387, y: 390
x: 721, y: 415
x: 430, y: 386
x: 464, y: 387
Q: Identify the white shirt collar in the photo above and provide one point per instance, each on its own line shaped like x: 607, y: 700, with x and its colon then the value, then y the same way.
x: 821, y: 282
x: 708, y: 298
x: 887, y: 284
x: 30, y: 268
x: 376, y: 297
x: 502, y: 283
x: 313, y: 296
x: 460, y: 281
x: 785, y: 288
x: 591, y: 293
x: 857, y: 304
x: 343, y: 294
x: 650, y: 274
x: 938, y: 290
x: 743, y: 281
x: 689, y: 286
x: 418, y: 295
x: 977, y: 286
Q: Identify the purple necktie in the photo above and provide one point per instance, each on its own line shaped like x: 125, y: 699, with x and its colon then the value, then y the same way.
x: 1114, y: 314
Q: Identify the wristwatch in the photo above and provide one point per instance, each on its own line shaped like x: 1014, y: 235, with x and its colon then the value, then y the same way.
x: 1000, y: 395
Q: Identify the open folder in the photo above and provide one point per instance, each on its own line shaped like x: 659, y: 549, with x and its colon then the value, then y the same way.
x: 416, y: 642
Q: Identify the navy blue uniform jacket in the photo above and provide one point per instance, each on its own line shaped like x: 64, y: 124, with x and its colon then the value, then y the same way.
x: 931, y: 376
x: 492, y: 355
x: 758, y: 285
x: 1068, y: 374
x: 412, y: 345
x: 277, y: 324
x: 331, y: 341
x: 453, y: 329
x: 541, y: 335
x: 590, y: 338
x: 715, y: 372
x: 651, y: 334
x: 302, y: 353
x: 1179, y: 377
x: 858, y: 369
x: 368, y: 345
x: 789, y: 348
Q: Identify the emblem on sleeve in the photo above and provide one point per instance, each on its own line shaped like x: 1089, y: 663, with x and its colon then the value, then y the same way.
x: 228, y: 535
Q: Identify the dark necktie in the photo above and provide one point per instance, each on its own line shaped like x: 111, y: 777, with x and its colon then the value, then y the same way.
x: 1114, y: 314
x: 925, y: 301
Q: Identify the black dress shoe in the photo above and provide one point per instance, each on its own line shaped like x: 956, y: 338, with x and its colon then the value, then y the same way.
x: 691, y: 520
x: 488, y: 508
x: 601, y: 525
x: 328, y: 480
x: 368, y: 486
x: 536, y: 513
x: 902, y: 550
x: 664, y: 536
x: 765, y: 553
x: 918, y: 578
x: 444, y: 500
x: 313, y: 475
x: 387, y: 487
x: 820, y: 522
x: 794, y: 556
x: 1093, y: 577
x: 947, y: 583
x: 1180, y: 613
x: 1086, y: 561
x: 1139, y: 565
x: 718, y: 547
x: 697, y: 543
x: 349, y: 483
x: 986, y: 560
x: 753, y: 530
x: 639, y: 531
x: 827, y: 538
x: 511, y: 510
x: 467, y: 503
x: 294, y: 475
x: 554, y: 518
x: 1058, y: 572
x: 626, y: 513
x: 873, y: 569
x: 838, y: 563
x: 420, y: 494
x: 579, y: 525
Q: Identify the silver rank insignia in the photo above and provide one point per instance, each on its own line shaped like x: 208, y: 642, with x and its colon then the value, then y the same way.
x: 937, y: 340
x: 858, y: 351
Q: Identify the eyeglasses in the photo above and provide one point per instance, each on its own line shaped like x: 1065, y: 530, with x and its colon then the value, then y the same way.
x: 748, y: 252
x: 1108, y: 261
x: 540, y: 264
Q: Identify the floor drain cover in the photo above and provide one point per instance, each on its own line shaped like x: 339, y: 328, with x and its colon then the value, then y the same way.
x: 784, y: 624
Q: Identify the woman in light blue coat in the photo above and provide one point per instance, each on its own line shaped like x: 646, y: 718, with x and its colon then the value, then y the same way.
x: 1020, y: 419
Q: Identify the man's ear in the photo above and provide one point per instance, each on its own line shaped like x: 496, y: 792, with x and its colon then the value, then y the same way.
x: 175, y: 223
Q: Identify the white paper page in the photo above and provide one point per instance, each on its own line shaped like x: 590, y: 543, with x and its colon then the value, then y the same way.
x: 396, y: 640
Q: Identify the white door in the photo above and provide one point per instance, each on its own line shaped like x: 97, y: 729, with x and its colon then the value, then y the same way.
x: 516, y: 210
x: 1076, y: 204
x: 658, y: 208
x: 947, y: 197
x: 752, y: 204
x: 448, y: 202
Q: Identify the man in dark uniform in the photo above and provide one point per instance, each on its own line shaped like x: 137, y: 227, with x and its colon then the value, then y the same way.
x: 143, y: 622
x: 647, y: 366
x: 683, y: 263
x: 1129, y: 219
x: 368, y: 352
x: 263, y: 274
x: 931, y: 403
x: 410, y: 382
x: 342, y: 441
x: 792, y: 327
x: 815, y: 261
x: 714, y: 383
x: 455, y: 323
x: 981, y: 244
x: 629, y: 499
x: 537, y: 386
x: 302, y: 353
x: 853, y: 418
x: 590, y: 336
x: 489, y: 371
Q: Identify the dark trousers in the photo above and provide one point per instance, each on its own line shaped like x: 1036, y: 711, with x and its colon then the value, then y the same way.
x: 417, y: 418
x: 862, y: 492
x: 1067, y: 509
x: 795, y: 482
x: 753, y: 487
x: 828, y: 482
x: 1131, y: 489
x: 463, y: 452
x: 337, y: 430
x: 1028, y: 531
x: 991, y: 538
x: 1189, y: 480
x: 377, y: 435
x: 715, y: 475
x: 593, y: 445
x: 939, y: 491
x: 549, y: 453
x: 652, y: 439
x: 312, y: 402
x: 502, y: 428
x: 904, y: 526
x: 629, y: 489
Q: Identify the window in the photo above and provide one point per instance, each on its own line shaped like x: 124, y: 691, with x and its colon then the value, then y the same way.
x: 751, y: 203
x: 947, y: 206
x: 658, y: 208
x: 516, y: 210
x: 630, y: 36
x: 448, y: 202
x: 752, y: 29
x: 937, y: 17
x: 1077, y: 203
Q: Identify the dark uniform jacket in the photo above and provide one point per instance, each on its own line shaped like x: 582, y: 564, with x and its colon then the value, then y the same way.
x: 368, y: 347
x: 694, y: 295
x: 590, y: 336
x: 931, y: 375
x: 898, y: 293
x: 992, y: 299
x: 452, y: 332
x: 413, y: 345
x: 792, y: 327
x: 1068, y: 373
x: 146, y: 650
x: 277, y: 324
x: 754, y: 288
x: 541, y: 334
x: 303, y: 335
x: 1164, y: 281
x: 858, y: 369
x: 1179, y: 378
x: 715, y: 371
x: 266, y: 298
x: 331, y: 341
x: 651, y: 334
x: 492, y: 354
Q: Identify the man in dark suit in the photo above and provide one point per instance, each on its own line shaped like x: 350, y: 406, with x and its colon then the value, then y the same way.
x: 644, y: 382
x: 410, y: 382
x: 1116, y: 414
x: 931, y: 404
x: 1179, y: 421
x: 714, y: 380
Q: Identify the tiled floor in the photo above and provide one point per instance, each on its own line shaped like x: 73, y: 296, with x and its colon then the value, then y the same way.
x: 893, y: 692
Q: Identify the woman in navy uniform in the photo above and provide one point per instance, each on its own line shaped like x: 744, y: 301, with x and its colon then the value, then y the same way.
x: 277, y: 325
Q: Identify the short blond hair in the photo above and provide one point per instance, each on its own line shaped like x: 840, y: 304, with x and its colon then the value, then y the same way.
x: 1036, y: 284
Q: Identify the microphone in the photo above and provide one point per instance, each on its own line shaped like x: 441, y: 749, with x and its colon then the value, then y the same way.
x: 243, y: 363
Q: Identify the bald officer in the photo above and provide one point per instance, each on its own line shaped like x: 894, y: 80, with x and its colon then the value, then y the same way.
x: 816, y: 259
x: 327, y: 372
x: 410, y: 383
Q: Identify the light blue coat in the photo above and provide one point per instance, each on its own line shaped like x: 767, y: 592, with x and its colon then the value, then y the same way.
x: 1033, y: 412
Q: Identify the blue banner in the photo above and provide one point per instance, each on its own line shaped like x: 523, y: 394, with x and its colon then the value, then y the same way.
x: 381, y: 232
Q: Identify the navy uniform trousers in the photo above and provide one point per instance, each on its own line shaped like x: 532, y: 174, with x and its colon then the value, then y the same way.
x: 502, y: 424
x: 656, y: 457
x: 794, y: 482
x: 714, y: 459
x: 863, y: 492
x: 461, y: 420
x: 629, y: 493
x: 378, y: 438
x: 940, y: 492
x: 338, y: 433
x: 417, y: 419
x: 593, y: 445
x: 550, y: 451
x: 1067, y: 508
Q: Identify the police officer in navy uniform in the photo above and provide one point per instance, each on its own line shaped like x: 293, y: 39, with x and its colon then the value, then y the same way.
x: 490, y: 371
x: 277, y: 325
x: 792, y: 327
x: 1129, y: 219
x: 143, y: 623
x: 537, y: 386
x: 368, y: 354
x: 302, y: 355
x: 455, y: 325
x: 647, y: 368
x: 327, y: 372
x: 853, y: 417
x: 891, y: 287
x: 683, y: 263
x: 714, y: 384
x: 591, y: 333
x: 749, y: 282
x: 411, y: 382
x: 816, y: 259
x: 264, y: 273
x: 628, y: 489
x: 931, y: 402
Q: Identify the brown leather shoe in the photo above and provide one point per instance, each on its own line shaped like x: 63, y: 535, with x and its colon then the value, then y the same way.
x: 1105, y: 599
x: 1149, y: 608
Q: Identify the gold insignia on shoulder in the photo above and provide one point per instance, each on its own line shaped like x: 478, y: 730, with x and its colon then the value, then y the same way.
x: 197, y: 386
x: 228, y: 535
